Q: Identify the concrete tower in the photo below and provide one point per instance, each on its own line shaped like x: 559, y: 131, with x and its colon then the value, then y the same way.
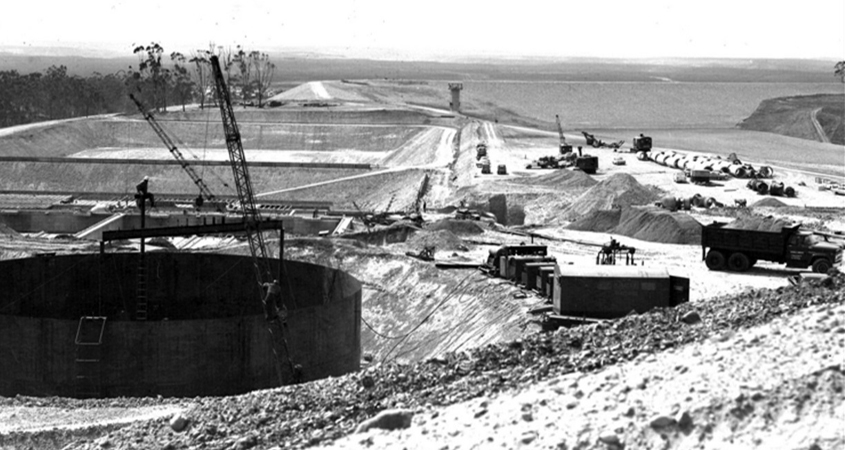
x: 455, y: 104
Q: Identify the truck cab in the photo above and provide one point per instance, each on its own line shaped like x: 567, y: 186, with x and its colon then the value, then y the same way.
x: 807, y: 249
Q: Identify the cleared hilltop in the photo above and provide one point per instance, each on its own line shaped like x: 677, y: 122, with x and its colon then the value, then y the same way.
x: 814, y: 117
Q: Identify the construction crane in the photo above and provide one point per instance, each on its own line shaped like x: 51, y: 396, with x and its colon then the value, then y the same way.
x: 243, y: 184
x: 204, y: 191
x: 252, y: 219
x: 564, y: 147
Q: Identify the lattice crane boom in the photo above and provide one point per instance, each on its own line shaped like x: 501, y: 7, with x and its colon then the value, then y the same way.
x: 249, y: 210
x: 205, y: 192
x: 560, y: 131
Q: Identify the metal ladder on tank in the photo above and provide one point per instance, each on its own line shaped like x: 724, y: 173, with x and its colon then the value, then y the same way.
x: 89, y: 353
x: 141, y: 303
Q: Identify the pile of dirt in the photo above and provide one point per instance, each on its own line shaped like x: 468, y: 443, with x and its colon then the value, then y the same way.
x: 440, y: 239
x: 617, y: 191
x: 758, y: 223
x: 599, y: 221
x: 657, y: 225
x: 769, y: 202
x: 647, y: 224
x: 563, y: 178
x: 456, y: 226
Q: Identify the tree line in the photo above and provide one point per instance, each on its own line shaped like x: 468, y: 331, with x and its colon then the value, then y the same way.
x: 159, y: 81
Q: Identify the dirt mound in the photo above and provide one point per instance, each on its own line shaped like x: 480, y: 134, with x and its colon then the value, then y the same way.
x: 456, y: 226
x: 600, y: 221
x: 567, y: 178
x: 440, y: 239
x: 758, y: 223
x: 647, y: 224
x: 619, y: 190
x: 770, y: 202
x: 657, y: 225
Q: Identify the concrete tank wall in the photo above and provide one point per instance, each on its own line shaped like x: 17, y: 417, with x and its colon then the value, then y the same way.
x: 206, y: 334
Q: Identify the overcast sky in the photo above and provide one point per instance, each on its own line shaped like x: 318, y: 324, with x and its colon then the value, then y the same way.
x: 559, y: 28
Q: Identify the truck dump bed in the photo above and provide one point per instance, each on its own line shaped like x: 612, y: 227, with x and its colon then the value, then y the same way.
x: 772, y: 243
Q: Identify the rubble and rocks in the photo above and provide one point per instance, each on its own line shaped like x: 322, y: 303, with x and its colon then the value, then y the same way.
x: 321, y: 411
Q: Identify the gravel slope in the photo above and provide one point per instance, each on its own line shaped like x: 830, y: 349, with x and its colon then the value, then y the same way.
x: 647, y: 362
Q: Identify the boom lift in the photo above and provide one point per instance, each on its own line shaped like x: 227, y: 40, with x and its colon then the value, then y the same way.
x: 251, y: 215
x: 204, y: 191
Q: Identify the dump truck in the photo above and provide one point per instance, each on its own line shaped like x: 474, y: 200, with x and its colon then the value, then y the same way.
x: 589, y: 293
x: 737, y: 250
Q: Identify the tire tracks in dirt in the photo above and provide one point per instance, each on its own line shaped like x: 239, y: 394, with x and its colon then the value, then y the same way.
x: 818, y: 126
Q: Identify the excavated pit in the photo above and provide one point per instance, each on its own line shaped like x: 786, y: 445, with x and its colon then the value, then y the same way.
x: 204, y: 334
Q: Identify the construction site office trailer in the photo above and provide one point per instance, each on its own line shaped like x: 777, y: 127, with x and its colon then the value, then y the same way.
x: 606, y: 292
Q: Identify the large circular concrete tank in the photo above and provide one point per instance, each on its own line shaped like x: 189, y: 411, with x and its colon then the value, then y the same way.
x: 177, y: 324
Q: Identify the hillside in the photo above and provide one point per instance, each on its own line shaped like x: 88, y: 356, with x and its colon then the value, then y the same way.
x: 795, y: 116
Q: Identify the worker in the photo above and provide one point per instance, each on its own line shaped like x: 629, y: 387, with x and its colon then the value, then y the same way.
x: 273, y: 291
x: 143, y: 193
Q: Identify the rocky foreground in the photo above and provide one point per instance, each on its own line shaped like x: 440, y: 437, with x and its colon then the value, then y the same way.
x: 515, y: 388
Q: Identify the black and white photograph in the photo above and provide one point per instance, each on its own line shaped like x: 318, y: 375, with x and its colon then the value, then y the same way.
x: 438, y: 225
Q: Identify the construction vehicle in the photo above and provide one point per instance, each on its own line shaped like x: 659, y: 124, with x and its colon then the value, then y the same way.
x: 480, y: 150
x: 205, y: 192
x: 738, y: 249
x: 608, y: 255
x: 563, y: 145
x: 586, y: 163
x: 497, y: 260
x: 598, y: 143
x: 277, y: 311
x: 641, y: 144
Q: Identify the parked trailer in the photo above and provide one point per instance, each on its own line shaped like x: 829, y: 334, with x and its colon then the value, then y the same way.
x: 737, y: 249
x: 530, y: 276
x: 606, y: 292
x: 516, y: 265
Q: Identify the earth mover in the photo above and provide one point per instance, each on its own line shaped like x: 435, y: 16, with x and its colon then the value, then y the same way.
x: 641, y: 144
x: 738, y: 250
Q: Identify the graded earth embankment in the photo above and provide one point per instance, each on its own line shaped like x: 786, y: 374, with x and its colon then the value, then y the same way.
x: 793, y: 116
x: 395, y: 190
x: 193, y: 136
x: 383, y: 115
x: 37, y: 176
